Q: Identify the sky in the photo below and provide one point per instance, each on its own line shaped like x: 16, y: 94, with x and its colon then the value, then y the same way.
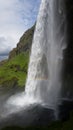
x: 16, y: 16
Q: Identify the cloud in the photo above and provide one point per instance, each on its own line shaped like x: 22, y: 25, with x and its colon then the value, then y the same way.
x: 16, y: 16
x: 3, y: 57
x: 5, y: 45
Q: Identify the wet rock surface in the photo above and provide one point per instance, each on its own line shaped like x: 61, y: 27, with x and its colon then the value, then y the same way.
x: 35, y: 115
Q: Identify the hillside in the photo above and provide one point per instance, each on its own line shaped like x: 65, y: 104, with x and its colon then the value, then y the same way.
x: 14, y: 70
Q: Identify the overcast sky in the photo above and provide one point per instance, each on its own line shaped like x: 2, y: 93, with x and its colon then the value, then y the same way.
x: 16, y: 16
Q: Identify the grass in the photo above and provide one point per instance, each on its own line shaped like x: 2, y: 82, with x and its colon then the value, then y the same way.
x: 15, y: 68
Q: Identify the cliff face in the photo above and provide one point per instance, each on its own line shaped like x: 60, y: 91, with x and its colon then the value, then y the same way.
x: 68, y: 54
x: 24, y: 44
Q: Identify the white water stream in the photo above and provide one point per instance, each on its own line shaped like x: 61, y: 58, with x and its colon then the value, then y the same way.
x: 45, y: 67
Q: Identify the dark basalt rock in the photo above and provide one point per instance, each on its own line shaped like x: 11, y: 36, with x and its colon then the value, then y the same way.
x: 65, y: 109
x: 67, y: 89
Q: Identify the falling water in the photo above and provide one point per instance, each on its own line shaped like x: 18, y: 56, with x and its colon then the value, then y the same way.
x: 45, y: 67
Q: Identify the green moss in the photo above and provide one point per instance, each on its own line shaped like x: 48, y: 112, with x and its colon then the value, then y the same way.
x: 15, y: 68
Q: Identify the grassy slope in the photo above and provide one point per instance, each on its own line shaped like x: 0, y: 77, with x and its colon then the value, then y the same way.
x: 16, y: 68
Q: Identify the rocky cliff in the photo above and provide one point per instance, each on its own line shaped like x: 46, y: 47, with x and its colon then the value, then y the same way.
x: 68, y: 54
x: 24, y: 43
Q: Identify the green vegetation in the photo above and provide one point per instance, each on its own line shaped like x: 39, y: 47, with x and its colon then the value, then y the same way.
x: 15, y: 70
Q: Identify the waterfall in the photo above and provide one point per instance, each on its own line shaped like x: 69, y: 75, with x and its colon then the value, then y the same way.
x: 44, y: 79
x: 45, y: 66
